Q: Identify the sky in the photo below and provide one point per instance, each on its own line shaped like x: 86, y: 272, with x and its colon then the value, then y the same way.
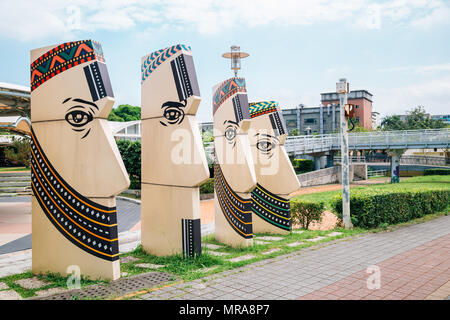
x: 398, y: 50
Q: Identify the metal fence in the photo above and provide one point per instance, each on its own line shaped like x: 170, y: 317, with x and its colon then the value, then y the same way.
x: 377, y: 173
x: 429, y: 138
x: 425, y: 160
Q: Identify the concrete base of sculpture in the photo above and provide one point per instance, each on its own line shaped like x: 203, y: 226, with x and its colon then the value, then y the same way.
x: 52, y: 252
x: 163, y: 212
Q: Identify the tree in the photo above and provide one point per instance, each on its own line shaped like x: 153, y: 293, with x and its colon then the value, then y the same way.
x: 416, y: 119
x: 294, y: 132
x: 358, y: 128
x: 392, y: 123
x: 130, y: 152
x: 19, y: 152
x: 125, y: 112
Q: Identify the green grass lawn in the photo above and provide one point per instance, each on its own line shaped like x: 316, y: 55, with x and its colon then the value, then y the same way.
x: 14, y: 169
x: 410, y: 184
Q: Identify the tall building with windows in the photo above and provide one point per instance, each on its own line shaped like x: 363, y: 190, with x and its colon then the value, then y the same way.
x: 312, y: 120
x: 361, y: 98
x: 325, y: 118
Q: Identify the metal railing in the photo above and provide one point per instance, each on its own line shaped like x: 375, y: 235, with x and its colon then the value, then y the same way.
x: 377, y: 173
x: 425, y: 160
x: 9, y: 139
x: 429, y: 138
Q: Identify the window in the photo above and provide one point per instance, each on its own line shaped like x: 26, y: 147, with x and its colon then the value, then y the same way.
x: 310, y: 121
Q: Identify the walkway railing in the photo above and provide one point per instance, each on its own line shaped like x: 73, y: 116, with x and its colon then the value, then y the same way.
x: 376, y: 173
x: 430, y: 138
x: 425, y: 160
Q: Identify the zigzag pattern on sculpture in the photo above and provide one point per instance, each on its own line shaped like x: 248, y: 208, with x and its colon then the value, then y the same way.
x: 259, y: 108
x: 154, y: 59
x: 226, y: 89
x: 62, y: 58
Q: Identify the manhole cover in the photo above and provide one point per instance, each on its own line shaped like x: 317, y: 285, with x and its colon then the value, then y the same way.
x: 116, y: 288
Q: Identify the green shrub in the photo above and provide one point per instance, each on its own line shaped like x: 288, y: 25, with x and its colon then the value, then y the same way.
x: 304, y: 213
x: 19, y: 153
x: 303, y: 165
x: 130, y: 151
x: 436, y: 172
x: 207, y: 187
x: 374, y: 208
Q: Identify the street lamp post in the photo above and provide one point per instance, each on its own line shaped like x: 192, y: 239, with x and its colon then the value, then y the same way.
x: 343, y: 88
x: 235, y: 55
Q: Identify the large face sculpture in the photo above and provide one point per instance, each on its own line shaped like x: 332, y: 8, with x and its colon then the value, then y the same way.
x: 233, y: 169
x: 76, y: 168
x: 274, y: 172
x: 173, y: 159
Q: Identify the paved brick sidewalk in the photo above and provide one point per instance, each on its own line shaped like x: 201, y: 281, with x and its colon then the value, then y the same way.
x: 304, y: 272
x: 414, y: 275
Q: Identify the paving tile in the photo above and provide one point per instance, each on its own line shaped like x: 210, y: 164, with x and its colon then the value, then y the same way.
x: 128, y: 259
x: 259, y: 242
x: 269, y: 238
x: 31, y: 283
x: 315, y: 239
x: 217, y: 253
x: 242, y: 258
x: 10, y: 295
x: 50, y: 291
x: 295, y: 244
x: 334, y: 233
x: 298, y: 231
x: 271, y: 251
x: 3, y: 286
x: 211, y: 246
x: 149, y: 265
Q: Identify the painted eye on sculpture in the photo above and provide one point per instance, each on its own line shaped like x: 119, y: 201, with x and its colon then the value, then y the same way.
x: 265, y: 146
x: 173, y: 112
x: 230, y: 133
x: 266, y: 143
x: 80, y: 115
x: 78, y: 118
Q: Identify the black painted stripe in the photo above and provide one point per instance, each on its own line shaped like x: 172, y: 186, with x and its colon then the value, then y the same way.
x: 226, y: 198
x: 191, y: 235
x: 90, y: 81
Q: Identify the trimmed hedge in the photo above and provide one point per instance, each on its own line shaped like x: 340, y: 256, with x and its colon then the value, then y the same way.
x: 304, y: 213
x: 207, y: 187
x: 303, y: 165
x: 372, y: 208
x: 436, y: 172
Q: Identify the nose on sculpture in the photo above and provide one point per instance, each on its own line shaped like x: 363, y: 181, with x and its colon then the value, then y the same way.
x: 115, y: 168
x: 290, y: 180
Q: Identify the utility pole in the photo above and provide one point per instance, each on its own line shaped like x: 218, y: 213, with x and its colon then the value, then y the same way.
x: 343, y: 88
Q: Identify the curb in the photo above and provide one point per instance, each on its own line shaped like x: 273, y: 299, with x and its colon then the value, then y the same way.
x: 128, y: 199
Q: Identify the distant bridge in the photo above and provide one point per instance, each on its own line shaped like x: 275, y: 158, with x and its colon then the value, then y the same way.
x: 376, y: 140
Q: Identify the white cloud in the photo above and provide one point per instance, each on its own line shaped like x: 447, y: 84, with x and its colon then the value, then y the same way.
x: 434, y: 95
x: 25, y: 20
x: 434, y: 68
